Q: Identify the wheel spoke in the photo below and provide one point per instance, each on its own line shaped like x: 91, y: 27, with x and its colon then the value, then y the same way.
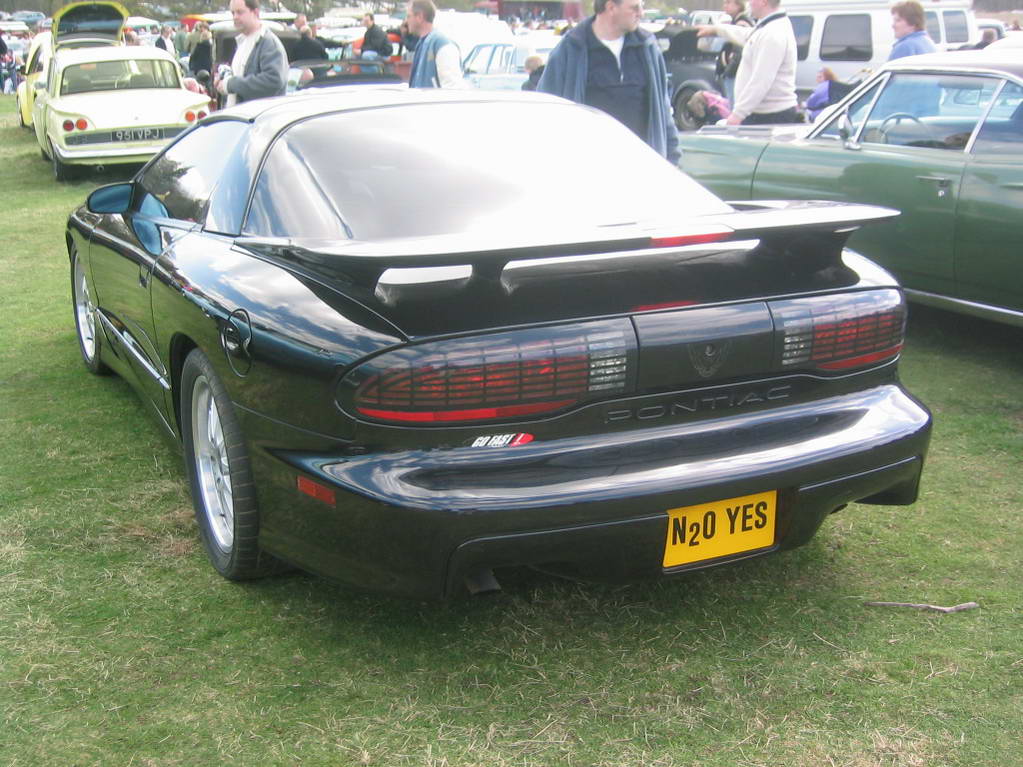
x: 212, y: 465
x: 85, y: 312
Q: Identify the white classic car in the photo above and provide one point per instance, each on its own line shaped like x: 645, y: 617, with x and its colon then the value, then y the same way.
x: 106, y: 104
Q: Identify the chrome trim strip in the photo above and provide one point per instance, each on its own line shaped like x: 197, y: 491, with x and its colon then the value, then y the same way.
x: 128, y: 343
x: 984, y: 311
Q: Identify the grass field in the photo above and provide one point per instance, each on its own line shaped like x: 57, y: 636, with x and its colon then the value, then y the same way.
x: 119, y: 645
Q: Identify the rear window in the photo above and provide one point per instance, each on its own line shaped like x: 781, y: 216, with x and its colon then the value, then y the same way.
x: 846, y: 37
x: 1002, y: 132
x: 433, y: 169
x: 126, y: 74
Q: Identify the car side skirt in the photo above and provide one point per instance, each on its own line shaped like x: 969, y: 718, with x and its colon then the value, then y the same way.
x: 974, y: 309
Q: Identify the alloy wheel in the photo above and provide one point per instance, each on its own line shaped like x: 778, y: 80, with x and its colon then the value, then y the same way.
x: 211, y: 464
x: 86, y: 313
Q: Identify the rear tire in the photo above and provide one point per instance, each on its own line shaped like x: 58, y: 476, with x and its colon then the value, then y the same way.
x: 219, y: 474
x: 61, y: 171
x: 90, y: 339
x: 685, y: 120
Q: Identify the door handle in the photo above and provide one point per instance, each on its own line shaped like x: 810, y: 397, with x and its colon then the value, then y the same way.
x: 942, y: 182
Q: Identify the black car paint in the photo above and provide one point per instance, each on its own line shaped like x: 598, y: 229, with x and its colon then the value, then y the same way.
x: 420, y: 508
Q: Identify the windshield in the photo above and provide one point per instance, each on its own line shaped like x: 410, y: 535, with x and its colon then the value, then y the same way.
x: 434, y: 169
x: 122, y: 74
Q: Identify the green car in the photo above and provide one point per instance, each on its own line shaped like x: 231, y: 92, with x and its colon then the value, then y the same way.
x: 938, y: 137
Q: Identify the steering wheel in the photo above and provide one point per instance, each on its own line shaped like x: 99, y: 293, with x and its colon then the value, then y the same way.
x: 894, y: 119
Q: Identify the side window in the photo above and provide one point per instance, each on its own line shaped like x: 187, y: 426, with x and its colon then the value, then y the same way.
x: 183, y: 178
x: 846, y: 37
x: 1002, y: 131
x: 956, y: 28
x: 479, y: 59
x: 146, y: 230
x: 38, y: 64
x: 857, y: 112
x: 929, y: 111
x: 505, y: 52
x: 933, y: 26
x: 803, y: 27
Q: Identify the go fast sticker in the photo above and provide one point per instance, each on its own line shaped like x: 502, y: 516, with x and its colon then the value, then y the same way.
x: 502, y: 440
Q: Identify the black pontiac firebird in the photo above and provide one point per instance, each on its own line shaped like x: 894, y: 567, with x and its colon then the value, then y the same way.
x: 401, y: 347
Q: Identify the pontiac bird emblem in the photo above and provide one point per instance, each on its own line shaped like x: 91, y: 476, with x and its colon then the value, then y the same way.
x: 708, y: 358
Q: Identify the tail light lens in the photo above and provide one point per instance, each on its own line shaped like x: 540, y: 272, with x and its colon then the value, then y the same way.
x: 189, y: 116
x: 495, y: 377
x: 68, y: 125
x: 836, y: 333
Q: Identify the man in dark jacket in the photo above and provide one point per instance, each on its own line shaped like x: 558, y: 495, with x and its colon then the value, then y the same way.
x: 375, y: 40
x: 608, y: 62
x: 308, y: 47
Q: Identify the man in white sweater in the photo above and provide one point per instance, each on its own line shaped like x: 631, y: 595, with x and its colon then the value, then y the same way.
x: 765, y: 85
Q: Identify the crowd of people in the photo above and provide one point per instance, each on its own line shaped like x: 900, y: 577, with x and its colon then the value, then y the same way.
x: 607, y: 61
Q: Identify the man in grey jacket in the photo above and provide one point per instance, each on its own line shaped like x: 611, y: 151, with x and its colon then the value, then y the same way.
x: 259, y: 58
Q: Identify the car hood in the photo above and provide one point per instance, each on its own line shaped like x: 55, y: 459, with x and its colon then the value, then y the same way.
x: 92, y: 20
x: 118, y: 109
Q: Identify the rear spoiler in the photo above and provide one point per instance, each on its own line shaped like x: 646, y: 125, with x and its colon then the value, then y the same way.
x: 775, y: 222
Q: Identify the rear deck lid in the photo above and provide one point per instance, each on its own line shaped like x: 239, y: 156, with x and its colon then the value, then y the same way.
x: 91, y: 22
x: 453, y: 284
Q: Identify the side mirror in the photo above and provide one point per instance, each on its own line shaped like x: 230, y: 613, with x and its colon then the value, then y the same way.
x: 846, y: 130
x: 112, y: 198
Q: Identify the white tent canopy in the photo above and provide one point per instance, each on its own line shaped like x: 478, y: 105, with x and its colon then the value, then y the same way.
x: 141, y: 21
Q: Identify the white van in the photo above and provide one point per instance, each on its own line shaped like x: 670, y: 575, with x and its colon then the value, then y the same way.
x: 467, y: 30
x: 854, y: 35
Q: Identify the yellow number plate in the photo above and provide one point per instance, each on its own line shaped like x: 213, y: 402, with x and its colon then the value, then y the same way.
x: 712, y: 530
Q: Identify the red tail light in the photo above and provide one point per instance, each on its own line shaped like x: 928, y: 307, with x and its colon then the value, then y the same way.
x: 201, y: 114
x: 495, y: 377
x: 840, y: 332
x: 714, y: 234
x: 68, y: 125
x: 189, y: 116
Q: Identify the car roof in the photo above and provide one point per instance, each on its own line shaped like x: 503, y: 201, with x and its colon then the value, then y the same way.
x: 67, y: 56
x: 1001, y: 60
x: 273, y: 115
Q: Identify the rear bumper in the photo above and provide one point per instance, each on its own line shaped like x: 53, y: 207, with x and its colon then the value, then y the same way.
x: 633, y: 549
x: 416, y: 522
x: 104, y: 154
